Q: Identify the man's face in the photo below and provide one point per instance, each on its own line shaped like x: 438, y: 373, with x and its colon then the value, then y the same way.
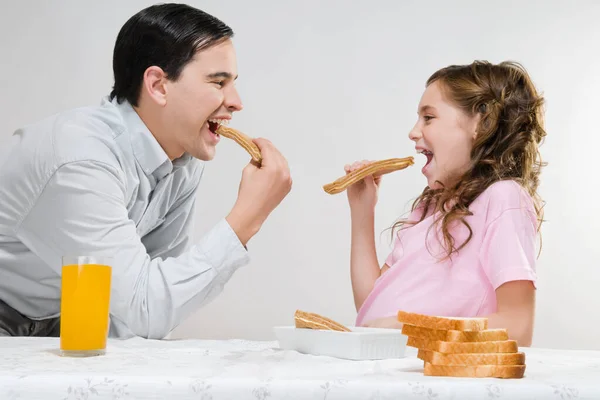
x: 205, y: 91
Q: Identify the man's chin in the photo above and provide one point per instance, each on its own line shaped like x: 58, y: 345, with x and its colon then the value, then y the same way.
x: 204, y: 157
x: 205, y: 154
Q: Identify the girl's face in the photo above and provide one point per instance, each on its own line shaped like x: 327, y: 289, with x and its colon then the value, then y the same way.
x: 445, y: 135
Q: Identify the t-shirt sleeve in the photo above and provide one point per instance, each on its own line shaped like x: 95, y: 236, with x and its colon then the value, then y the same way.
x: 508, y: 251
x: 392, y: 258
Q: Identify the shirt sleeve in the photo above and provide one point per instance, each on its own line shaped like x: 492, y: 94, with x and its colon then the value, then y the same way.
x: 81, y: 210
x: 508, y: 251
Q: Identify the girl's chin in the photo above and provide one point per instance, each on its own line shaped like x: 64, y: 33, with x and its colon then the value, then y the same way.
x: 434, y: 185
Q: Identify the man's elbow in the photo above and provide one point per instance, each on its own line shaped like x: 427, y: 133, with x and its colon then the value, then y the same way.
x: 153, y: 334
x: 152, y: 323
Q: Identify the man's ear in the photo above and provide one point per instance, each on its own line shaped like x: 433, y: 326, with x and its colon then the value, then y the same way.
x: 154, y: 85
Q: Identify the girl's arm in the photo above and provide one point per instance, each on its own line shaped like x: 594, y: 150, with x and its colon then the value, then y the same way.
x: 364, y: 267
x: 515, y: 311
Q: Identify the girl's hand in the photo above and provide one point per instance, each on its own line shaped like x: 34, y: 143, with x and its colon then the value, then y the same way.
x: 362, y: 196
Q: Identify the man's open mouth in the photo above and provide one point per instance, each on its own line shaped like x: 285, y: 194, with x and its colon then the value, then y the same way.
x: 213, y: 124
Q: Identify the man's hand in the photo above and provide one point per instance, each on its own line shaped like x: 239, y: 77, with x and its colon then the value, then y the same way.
x: 261, y: 190
x: 387, y: 322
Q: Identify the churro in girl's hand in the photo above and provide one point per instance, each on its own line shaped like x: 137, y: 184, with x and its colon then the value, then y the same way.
x: 376, y: 168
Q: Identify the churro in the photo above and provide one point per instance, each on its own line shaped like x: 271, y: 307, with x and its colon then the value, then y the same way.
x: 315, y: 321
x: 376, y: 168
x: 241, y: 139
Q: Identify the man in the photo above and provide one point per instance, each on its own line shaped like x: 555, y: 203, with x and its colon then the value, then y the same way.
x: 121, y: 180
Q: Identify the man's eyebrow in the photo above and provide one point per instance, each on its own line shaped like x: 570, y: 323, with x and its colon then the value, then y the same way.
x: 225, y: 75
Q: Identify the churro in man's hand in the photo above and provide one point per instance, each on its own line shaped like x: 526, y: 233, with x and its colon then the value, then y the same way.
x: 243, y: 140
x: 376, y: 168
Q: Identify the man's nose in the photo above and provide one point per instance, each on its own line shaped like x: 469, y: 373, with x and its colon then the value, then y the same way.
x: 233, y: 102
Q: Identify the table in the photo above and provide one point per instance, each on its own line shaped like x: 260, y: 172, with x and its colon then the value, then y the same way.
x: 30, y: 368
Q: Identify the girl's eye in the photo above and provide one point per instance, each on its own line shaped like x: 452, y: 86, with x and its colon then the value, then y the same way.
x: 427, y: 118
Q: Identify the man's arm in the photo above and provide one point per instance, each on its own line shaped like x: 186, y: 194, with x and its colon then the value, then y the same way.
x: 82, y: 211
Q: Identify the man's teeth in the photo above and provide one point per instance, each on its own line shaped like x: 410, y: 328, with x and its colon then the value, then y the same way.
x: 219, y: 121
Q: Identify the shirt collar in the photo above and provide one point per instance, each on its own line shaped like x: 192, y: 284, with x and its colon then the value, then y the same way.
x: 146, y: 149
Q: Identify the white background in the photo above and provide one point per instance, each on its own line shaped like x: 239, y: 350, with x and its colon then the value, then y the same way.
x: 331, y: 82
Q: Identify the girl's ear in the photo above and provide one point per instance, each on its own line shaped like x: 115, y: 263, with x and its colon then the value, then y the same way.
x: 474, y: 124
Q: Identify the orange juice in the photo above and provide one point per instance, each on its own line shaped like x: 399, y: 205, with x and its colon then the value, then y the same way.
x: 85, y: 304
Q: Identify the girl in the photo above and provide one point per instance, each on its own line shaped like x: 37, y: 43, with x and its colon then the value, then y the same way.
x: 468, y: 247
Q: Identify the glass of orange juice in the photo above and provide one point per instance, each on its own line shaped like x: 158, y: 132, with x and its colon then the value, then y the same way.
x: 85, y: 304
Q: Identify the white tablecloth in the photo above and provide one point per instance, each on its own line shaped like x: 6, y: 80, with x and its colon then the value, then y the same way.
x: 30, y: 368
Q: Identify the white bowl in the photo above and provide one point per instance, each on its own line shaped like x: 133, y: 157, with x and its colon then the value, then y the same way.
x: 360, y: 344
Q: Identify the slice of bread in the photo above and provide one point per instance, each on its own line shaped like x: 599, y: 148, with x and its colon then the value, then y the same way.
x: 308, y: 320
x: 500, y: 346
x: 435, y: 358
x: 486, y: 335
x: 446, y: 323
x: 475, y: 371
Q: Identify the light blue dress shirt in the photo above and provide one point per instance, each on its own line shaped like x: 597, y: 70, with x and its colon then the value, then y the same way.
x: 94, y: 181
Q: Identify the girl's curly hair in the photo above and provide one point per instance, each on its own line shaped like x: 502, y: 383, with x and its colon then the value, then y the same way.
x: 506, y: 147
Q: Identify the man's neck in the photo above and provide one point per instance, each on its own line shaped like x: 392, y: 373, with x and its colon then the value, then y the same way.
x: 152, y: 120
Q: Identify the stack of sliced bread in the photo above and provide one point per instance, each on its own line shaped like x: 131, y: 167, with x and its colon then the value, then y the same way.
x: 462, y: 347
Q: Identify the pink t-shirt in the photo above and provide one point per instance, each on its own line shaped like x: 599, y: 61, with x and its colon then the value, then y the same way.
x: 502, y: 249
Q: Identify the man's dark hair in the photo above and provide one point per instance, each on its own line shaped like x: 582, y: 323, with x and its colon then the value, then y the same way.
x: 164, y: 35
